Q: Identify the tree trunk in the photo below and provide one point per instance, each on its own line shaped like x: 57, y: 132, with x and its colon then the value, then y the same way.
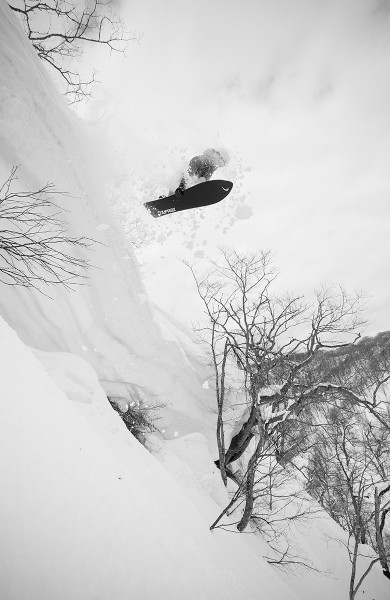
x: 249, y: 485
x: 220, y: 431
x: 352, y: 590
x: 241, y: 440
x: 379, y: 536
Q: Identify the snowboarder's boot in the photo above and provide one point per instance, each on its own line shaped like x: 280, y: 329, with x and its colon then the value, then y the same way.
x: 179, y: 192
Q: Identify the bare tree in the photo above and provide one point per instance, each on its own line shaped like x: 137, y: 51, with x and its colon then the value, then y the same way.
x: 58, y: 30
x: 35, y: 249
x: 273, y: 341
x: 349, y: 474
x: 377, y: 441
x: 381, y: 511
x: 219, y: 358
x: 278, y: 505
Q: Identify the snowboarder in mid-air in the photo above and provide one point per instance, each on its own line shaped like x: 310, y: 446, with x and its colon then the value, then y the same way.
x: 195, y: 188
x: 201, y: 168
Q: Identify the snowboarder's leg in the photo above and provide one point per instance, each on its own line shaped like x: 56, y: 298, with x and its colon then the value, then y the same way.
x: 180, y: 189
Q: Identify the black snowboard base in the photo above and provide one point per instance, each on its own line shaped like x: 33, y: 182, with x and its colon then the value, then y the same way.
x: 202, y: 194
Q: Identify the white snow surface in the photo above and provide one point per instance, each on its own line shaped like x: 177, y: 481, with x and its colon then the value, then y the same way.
x: 82, y: 518
x: 108, y: 321
x: 86, y: 511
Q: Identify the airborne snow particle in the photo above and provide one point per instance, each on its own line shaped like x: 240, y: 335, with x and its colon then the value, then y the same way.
x: 199, y: 254
x: 243, y: 212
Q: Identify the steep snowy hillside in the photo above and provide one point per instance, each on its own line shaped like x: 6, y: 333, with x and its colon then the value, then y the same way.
x: 84, y: 519
x: 87, y: 512
x: 109, y: 322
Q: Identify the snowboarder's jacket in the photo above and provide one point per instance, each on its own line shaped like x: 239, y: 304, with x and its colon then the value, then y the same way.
x: 206, y: 164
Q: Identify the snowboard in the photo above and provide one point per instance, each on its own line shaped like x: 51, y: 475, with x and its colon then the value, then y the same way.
x: 202, y: 194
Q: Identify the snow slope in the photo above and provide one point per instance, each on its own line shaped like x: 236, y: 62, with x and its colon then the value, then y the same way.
x: 81, y: 521
x: 86, y: 511
x: 109, y: 322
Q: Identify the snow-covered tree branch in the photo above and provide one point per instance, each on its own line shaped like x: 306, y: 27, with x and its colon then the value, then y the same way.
x: 274, y: 341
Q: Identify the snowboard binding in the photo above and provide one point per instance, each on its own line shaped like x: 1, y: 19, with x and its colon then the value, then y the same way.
x: 179, y: 192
